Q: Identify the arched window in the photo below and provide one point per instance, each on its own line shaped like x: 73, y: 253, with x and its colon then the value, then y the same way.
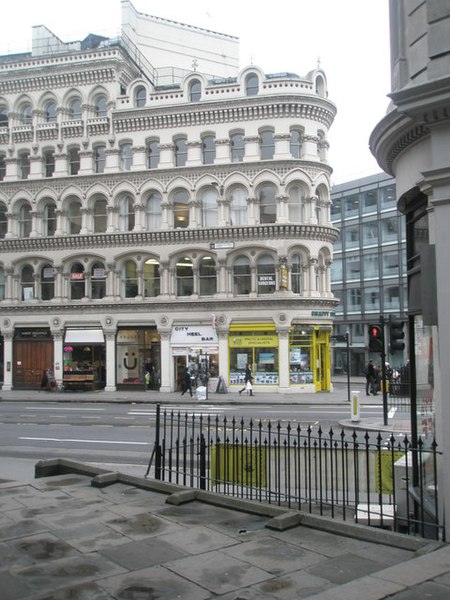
x: 3, y: 220
x: 47, y: 282
x: 180, y: 203
x: 267, y: 145
x: 99, y: 158
x: 267, y: 204
x: 237, y: 147
x: 180, y: 151
x: 3, y: 116
x: 296, y: 204
x: 77, y: 284
x: 130, y: 284
x: 195, y: 90
x: 2, y: 167
x: 238, y: 206
x: 2, y: 284
x: 49, y: 219
x: 320, y: 86
x: 152, y: 282
x: 265, y: 274
x: 24, y: 220
x: 26, y: 114
x: 50, y: 112
x: 74, y: 217
x: 75, y: 109
x: 251, y: 84
x: 296, y: 274
x: 126, y: 214
x: 296, y: 143
x: 153, y: 211
x: 153, y: 154
x: 207, y: 276
x: 242, y: 277
x: 208, y: 149
x: 185, y: 277
x: 210, y: 208
x: 24, y: 165
x: 98, y: 281
x: 49, y: 163
x: 74, y: 161
x: 100, y: 215
x: 100, y: 106
x: 140, y: 97
x: 27, y: 283
x: 126, y: 156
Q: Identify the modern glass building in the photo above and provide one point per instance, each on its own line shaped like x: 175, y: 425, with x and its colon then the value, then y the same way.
x: 368, y: 273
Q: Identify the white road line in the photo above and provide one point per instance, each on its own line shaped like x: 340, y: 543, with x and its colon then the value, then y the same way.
x: 62, y: 440
x: 61, y: 408
x: 392, y: 412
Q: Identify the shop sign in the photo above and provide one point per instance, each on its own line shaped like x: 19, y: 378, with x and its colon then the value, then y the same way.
x: 221, y: 245
x: 32, y: 333
x: 127, y: 336
x: 76, y: 276
x: 266, y: 280
x: 253, y: 341
x: 193, y: 335
x: 48, y: 273
x: 323, y: 313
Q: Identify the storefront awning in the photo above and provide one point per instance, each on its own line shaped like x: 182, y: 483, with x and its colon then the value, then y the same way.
x: 84, y: 336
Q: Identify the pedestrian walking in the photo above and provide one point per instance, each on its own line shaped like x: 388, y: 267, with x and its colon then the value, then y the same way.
x: 187, y: 382
x: 370, y: 376
x: 248, y: 381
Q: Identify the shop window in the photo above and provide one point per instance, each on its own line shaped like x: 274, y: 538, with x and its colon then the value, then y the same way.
x: 207, y: 276
x: 100, y: 106
x: 208, y: 149
x: 2, y: 167
x: 74, y: 161
x: 152, y: 279
x: 24, y: 165
x: 138, y: 354
x: 27, y: 283
x: 180, y: 203
x: 49, y: 163
x: 75, y: 109
x: 100, y: 158
x: 130, y: 282
x: 2, y: 284
x: 50, y: 112
x: 297, y: 274
x: 296, y: 204
x: 180, y: 145
x: 98, y: 281
x: 77, y: 285
x: 237, y: 147
x: 265, y: 274
x: 25, y: 221
x: 295, y: 145
x: 267, y: 204
x: 140, y: 97
x: 153, y: 154
x: 3, y: 220
x: 49, y: 219
x: 74, y: 217
x: 300, y: 355
x: 47, y: 282
x: 100, y: 215
x: 210, y: 208
x: 259, y: 349
x: 126, y: 214
x: 184, y: 277
x: 153, y: 211
x: 126, y: 156
x: 267, y: 145
x: 238, y: 206
x: 242, y: 278
x: 195, y: 90
x: 251, y: 84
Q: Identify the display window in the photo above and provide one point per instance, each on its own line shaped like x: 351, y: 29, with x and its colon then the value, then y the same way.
x: 138, y: 357
x: 300, y: 355
x: 258, y: 347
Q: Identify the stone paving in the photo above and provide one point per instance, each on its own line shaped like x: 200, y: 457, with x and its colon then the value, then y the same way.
x: 78, y: 532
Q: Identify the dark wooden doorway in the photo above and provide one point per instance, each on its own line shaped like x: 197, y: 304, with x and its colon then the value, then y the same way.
x: 31, y: 357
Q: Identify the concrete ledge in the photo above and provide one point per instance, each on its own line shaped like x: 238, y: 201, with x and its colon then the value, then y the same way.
x: 62, y: 466
x: 286, y: 521
x: 105, y: 479
x: 182, y: 497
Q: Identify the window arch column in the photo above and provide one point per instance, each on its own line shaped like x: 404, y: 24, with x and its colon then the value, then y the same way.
x: 139, y: 157
x: 195, y: 218
x: 84, y: 218
x: 86, y: 162
x: 194, y: 154
x: 313, y: 267
x: 35, y: 165
x: 166, y: 156
x: 58, y: 278
x: 11, y: 225
x: 309, y: 145
x: 61, y: 162
x: 164, y: 273
x: 9, y: 284
x: 282, y: 208
x: 251, y: 148
x: 112, y: 160
x: 253, y: 275
x: 35, y: 217
x: 252, y: 203
x: 113, y: 224
x: 222, y: 152
x: 222, y: 276
x: 139, y: 214
x: 224, y: 211
x: 111, y: 279
x: 59, y: 215
x: 12, y: 169
x: 282, y: 146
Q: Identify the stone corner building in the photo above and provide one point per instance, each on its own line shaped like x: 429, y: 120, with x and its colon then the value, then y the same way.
x: 160, y: 210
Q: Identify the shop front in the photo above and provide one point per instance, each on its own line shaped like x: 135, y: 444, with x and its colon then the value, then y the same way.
x: 84, y: 359
x: 138, y: 352
x: 255, y: 344
x: 32, y: 355
x: 310, y: 356
x: 195, y: 347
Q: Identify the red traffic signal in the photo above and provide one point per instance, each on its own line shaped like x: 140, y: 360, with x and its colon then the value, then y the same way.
x: 376, y: 340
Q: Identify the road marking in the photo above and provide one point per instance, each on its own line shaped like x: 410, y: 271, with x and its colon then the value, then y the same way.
x: 61, y: 408
x: 62, y: 440
x: 392, y: 412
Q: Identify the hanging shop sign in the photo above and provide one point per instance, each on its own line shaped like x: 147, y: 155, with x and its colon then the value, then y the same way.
x: 253, y: 341
x: 193, y: 335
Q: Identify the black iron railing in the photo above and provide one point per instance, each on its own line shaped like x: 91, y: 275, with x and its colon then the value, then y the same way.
x: 372, y: 478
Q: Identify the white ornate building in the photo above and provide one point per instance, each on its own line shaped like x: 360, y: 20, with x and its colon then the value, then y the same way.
x: 160, y: 209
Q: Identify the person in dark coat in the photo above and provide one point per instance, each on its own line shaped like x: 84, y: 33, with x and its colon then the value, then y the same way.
x: 187, y: 382
x: 370, y: 377
x: 248, y: 380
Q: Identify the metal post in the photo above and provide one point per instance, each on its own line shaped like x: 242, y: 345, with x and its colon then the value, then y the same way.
x: 383, y: 374
x: 206, y: 374
x: 347, y: 339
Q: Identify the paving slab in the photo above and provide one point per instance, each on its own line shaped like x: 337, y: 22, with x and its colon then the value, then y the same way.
x: 143, y: 553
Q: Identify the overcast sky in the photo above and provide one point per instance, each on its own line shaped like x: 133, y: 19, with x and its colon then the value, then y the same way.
x: 349, y: 37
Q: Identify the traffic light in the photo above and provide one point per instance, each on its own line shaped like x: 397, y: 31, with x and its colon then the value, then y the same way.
x: 376, y: 341
x: 396, y: 335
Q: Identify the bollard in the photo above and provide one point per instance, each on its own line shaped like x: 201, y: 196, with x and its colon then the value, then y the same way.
x: 355, y: 406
